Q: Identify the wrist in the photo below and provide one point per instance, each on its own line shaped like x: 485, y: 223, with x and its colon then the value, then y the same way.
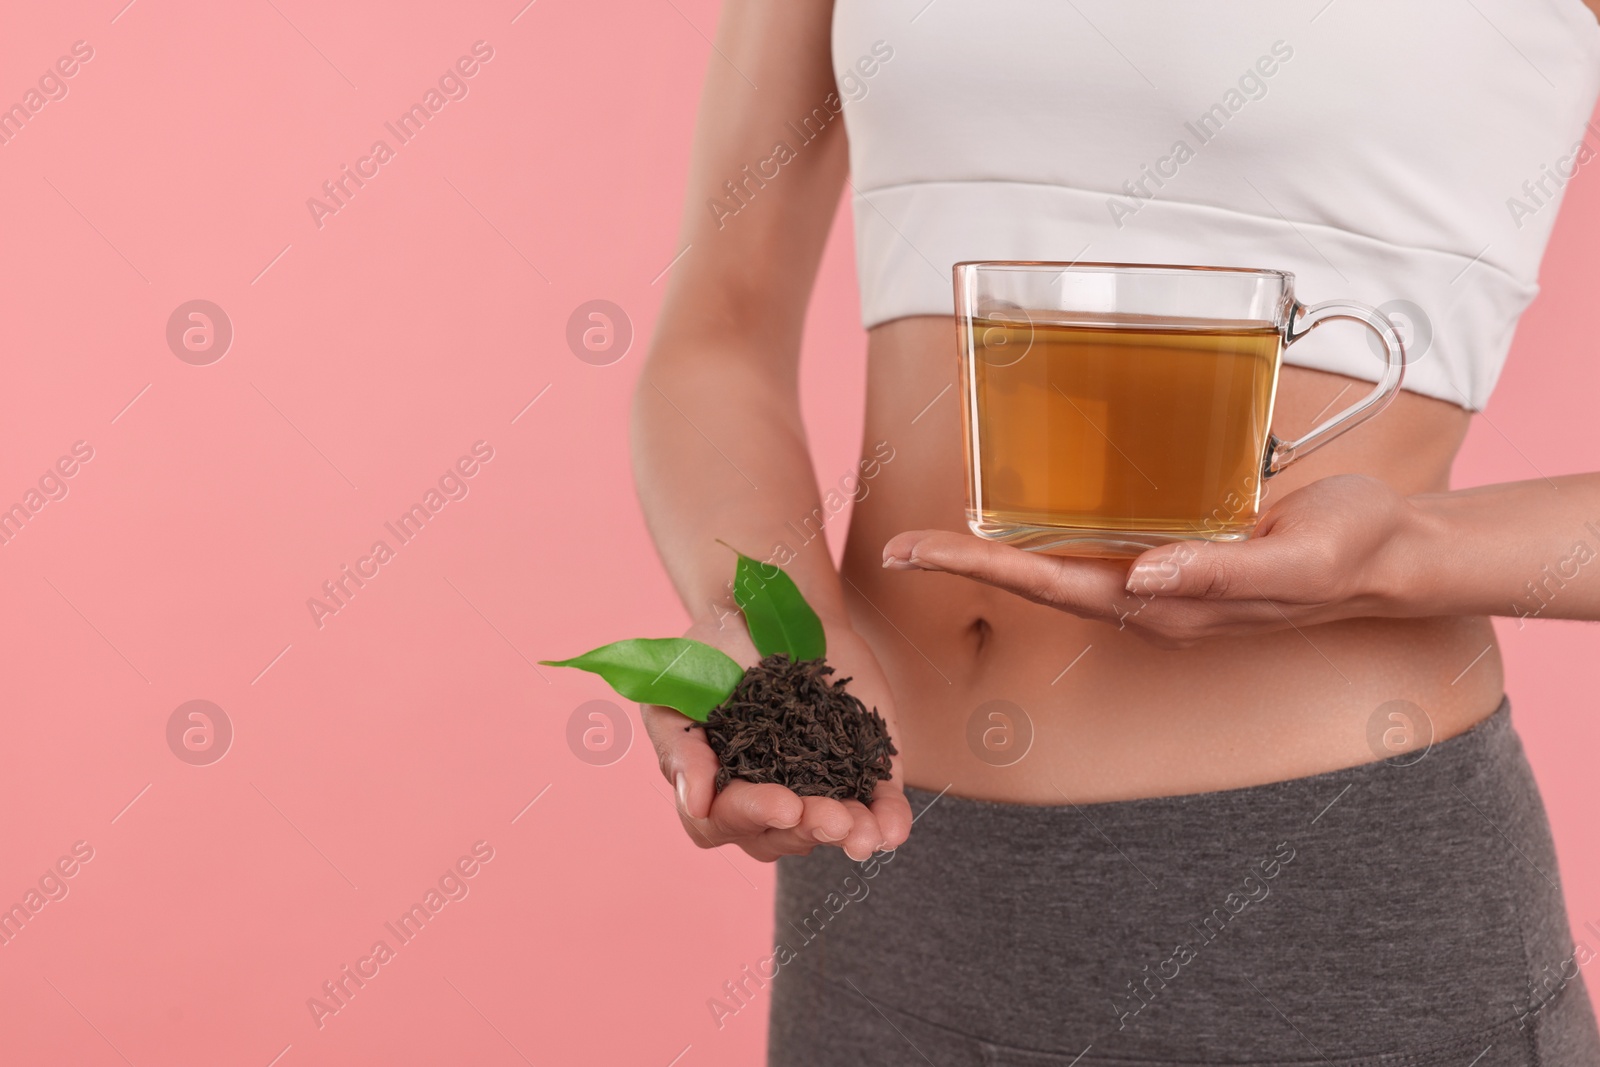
x: 725, y: 619
x: 1409, y: 572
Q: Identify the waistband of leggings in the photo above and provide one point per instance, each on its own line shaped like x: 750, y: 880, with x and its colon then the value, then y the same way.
x: 1486, y: 739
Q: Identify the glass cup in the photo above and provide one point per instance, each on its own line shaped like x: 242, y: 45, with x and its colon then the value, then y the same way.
x: 1109, y: 408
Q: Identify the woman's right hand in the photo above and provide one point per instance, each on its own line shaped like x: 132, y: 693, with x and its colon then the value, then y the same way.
x: 770, y: 820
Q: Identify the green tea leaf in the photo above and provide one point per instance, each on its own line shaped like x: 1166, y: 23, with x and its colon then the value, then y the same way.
x: 677, y: 672
x: 779, y: 618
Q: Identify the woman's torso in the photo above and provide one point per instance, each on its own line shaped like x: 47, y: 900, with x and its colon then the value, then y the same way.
x: 1111, y: 715
x: 1368, y: 148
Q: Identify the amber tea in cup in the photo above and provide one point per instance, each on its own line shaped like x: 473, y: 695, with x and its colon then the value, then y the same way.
x: 1109, y: 408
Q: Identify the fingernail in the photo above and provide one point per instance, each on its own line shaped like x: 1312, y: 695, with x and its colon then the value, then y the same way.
x: 1153, y: 576
x: 903, y: 557
x: 682, y: 786
x: 822, y: 835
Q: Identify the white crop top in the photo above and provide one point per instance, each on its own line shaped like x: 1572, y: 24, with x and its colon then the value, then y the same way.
x: 1409, y: 154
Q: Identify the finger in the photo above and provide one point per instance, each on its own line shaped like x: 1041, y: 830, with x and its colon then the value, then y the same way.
x: 865, y: 837
x: 686, y: 759
x: 745, y: 809
x: 893, y: 812
x: 825, y: 820
x: 1094, y: 587
x: 1282, y: 567
x: 764, y: 845
x: 775, y: 844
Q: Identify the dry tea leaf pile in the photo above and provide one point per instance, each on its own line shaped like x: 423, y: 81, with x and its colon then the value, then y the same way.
x: 786, y: 723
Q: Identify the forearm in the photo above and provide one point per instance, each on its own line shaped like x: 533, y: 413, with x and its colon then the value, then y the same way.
x: 1523, y: 549
x: 720, y: 454
x: 719, y: 449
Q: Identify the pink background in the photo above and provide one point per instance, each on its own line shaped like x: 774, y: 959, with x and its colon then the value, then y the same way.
x: 369, y: 354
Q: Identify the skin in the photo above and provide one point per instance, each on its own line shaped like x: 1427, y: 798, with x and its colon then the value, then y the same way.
x: 1205, y: 666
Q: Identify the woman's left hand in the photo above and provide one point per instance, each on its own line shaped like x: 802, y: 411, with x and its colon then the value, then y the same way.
x: 1337, y: 548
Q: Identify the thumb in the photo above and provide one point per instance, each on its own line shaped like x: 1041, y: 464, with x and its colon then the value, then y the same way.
x: 686, y: 759
x: 694, y: 789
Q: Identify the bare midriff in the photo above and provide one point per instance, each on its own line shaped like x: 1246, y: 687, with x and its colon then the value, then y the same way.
x: 1113, y: 716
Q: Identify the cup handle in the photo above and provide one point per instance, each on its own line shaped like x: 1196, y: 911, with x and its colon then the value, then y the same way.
x: 1302, y: 320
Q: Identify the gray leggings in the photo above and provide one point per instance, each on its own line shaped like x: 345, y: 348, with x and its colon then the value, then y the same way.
x: 1391, y: 915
